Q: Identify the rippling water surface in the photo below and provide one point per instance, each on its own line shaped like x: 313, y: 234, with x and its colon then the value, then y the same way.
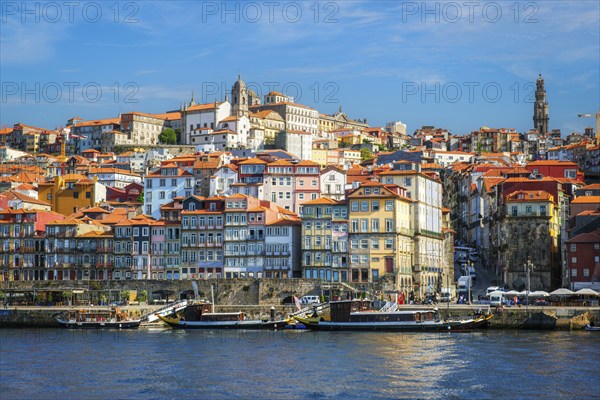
x: 153, y: 364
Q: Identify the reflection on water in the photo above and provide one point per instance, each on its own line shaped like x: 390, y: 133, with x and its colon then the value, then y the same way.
x: 51, y: 363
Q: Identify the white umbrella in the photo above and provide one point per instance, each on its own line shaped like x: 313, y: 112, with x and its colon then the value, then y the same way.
x: 512, y: 293
x: 586, y: 292
x: 523, y: 293
x: 495, y: 293
x: 562, y: 292
x: 538, y: 293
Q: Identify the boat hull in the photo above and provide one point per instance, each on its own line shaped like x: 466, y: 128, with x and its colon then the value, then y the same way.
x: 428, y: 326
x: 242, y: 324
x: 99, y: 325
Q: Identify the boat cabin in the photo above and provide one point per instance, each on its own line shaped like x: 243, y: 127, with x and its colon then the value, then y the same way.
x: 202, y: 312
x: 98, y: 315
x: 362, y: 311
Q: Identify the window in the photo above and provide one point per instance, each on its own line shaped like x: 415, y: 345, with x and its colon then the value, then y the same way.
x: 354, y: 206
x: 88, y: 195
x: 75, y: 195
x: 573, y: 247
x: 375, y: 244
x: 389, y: 244
x: 389, y: 225
x: 375, y: 205
x: 573, y: 260
x: 364, y: 206
x: 364, y: 225
x: 375, y: 225
x: 586, y: 272
x: 389, y: 205
x: 528, y: 209
x: 161, y: 195
x: 514, y: 211
x: 542, y: 210
x: 573, y: 272
x: 354, y: 225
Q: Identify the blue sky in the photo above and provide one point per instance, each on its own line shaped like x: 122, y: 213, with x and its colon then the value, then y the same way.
x: 456, y: 65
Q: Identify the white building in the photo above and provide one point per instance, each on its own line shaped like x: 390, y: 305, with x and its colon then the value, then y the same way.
x: 396, y: 127
x: 196, y: 118
x: 8, y: 154
x: 238, y: 124
x: 299, y: 143
x: 222, y: 181
x: 333, y: 183
x: 142, y: 159
x: 163, y: 185
x: 297, y: 117
x: 446, y: 158
x: 114, y: 177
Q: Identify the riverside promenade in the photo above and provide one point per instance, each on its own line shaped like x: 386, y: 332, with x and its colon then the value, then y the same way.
x: 534, y: 317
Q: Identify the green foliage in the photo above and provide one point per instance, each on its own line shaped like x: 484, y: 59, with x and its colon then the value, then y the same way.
x: 142, y: 296
x: 365, y: 154
x: 168, y: 136
x: 2, y: 295
x: 125, y: 295
x: 67, y: 294
x: 140, y: 198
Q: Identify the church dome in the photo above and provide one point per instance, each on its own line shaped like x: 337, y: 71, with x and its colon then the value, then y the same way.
x: 239, y: 84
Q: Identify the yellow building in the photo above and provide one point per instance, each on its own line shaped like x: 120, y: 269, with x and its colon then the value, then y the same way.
x: 380, y: 234
x: 71, y: 192
x: 426, y: 193
x: 319, y: 151
x: 271, y: 122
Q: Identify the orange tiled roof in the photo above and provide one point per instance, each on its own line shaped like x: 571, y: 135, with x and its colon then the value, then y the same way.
x: 529, y: 195
x: 586, y: 200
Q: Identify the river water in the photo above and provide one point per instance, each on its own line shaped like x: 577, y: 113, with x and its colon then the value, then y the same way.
x: 156, y: 364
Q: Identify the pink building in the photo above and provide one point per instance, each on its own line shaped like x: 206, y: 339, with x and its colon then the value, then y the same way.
x: 290, y: 184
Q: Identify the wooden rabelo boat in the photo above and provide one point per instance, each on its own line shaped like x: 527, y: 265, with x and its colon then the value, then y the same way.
x: 97, y: 318
x: 358, y: 315
x: 200, y: 316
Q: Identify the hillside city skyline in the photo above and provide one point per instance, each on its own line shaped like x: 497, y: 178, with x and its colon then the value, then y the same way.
x: 381, y: 61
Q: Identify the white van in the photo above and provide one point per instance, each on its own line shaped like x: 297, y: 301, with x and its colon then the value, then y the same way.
x: 496, y: 300
x: 307, y: 300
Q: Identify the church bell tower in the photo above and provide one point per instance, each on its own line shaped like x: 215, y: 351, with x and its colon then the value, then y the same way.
x: 540, y: 108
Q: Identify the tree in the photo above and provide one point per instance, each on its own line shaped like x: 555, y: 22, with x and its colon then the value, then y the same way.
x: 365, y: 154
x: 168, y: 136
x: 142, y: 296
x: 140, y: 198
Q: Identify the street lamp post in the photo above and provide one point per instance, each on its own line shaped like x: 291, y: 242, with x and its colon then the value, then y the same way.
x: 529, y: 268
